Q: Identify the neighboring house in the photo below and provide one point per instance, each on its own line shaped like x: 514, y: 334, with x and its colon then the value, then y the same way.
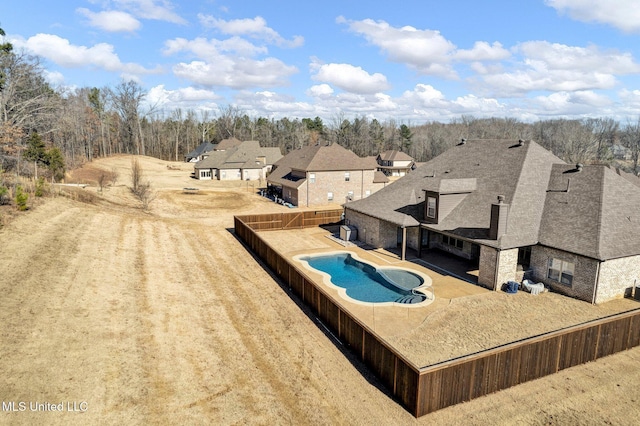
x: 394, y: 163
x: 199, y: 153
x: 226, y: 144
x: 246, y: 161
x: 620, y: 152
x: 323, y: 174
x: 509, y: 207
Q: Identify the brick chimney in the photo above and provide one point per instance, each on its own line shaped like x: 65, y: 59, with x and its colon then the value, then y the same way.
x: 499, y: 215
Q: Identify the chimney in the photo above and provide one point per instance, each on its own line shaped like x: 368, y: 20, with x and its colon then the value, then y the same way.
x: 499, y: 215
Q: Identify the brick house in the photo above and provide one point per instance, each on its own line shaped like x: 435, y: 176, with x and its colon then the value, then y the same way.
x: 395, y: 163
x: 244, y: 161
x: 323, y: 174
x: 199, y: 153
x: 511, y: 207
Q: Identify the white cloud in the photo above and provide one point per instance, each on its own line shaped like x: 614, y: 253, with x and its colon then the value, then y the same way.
x: 568, y: 103
x: 228, y: 63
x: 234, y: 73
x: 483, y: 51
x: 424, y: 50
x: 211, y: 50
x: 55, y: 78
x: 111, y: 21
x: 351, y: 79
x: 63, y: 53
x: 186, y: 97
x: 622, y: 14
x: 159, y: 10
x: 563, y: 57
x: 256, y: 27
x: 548, y: 66
x: 320, y: 91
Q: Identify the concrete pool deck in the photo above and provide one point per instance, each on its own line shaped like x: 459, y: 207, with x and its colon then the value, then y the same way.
x: 464, y: 318
x: 388, y: 321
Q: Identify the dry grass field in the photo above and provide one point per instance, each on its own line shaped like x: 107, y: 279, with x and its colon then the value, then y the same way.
x: 162, y: 317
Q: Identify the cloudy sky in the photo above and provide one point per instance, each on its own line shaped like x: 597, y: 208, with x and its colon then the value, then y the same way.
x: 409, y: 60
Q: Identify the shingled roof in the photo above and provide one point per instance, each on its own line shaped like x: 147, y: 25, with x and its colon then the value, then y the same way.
x: 593, y: 211
x: 200, y: 149
x: 394, y: 155
x: 482, y: 169
x: 243, y: 156
x: 317, y: 158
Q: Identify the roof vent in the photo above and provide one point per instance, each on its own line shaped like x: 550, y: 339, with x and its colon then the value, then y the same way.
x: 463, y: 141
x: 520, y: 142
x: 500, y: 199
x: 579, y: 167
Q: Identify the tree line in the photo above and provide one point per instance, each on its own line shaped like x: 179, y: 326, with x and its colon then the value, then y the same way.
x: 78, y: 125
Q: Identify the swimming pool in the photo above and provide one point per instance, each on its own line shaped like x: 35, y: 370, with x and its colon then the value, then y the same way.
x: 366, y: 283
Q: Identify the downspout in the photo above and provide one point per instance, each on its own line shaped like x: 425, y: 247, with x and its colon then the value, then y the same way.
x: 362, y: 184
x: 307, y: 189
x: 595, y: 287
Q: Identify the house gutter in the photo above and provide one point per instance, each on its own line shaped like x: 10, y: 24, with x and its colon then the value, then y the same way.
x: 595, y: 287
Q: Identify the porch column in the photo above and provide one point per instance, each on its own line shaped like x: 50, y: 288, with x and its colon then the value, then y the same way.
x: 404, y: 243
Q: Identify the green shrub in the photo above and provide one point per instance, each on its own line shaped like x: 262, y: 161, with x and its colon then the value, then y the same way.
x: 40, y: 187
x: 4, y: 195
x: 21, y: 199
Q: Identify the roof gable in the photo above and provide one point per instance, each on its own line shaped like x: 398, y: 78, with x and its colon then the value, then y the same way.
x: 593, y: 212
x: 483, y: 169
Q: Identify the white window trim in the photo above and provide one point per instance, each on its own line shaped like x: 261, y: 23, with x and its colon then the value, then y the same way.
x: 567, y: 269
x: 432, y: 208
x: 347, y: 176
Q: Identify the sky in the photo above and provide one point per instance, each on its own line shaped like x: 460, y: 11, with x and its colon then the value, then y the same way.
x: 412, y: 61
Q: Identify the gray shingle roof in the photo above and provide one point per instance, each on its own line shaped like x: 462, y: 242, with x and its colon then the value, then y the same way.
x: 394, y: 156
x: 593, y: 212
x: 243, y: 156
x: 202, y: 148
x: 499, y: 167
x: 599, y: 216
x: 317, y: 158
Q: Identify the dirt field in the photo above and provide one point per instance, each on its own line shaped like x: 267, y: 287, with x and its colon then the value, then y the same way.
x: 162, y: 317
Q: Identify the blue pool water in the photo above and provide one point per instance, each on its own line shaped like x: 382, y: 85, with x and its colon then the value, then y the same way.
x: 363, y: 282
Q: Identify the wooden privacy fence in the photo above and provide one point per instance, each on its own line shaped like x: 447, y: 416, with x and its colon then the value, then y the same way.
x: 422, y: 390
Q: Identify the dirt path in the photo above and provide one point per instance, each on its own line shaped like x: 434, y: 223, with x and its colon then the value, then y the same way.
x: 164, y: 318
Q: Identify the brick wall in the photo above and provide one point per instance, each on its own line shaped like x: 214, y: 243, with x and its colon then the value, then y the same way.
x: 618, y: 277
x: 487, y: 267
x: 507, y: 265
x: 375, y: 232
x: 584, y: 275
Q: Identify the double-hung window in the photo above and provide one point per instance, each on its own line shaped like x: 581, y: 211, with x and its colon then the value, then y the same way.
x: 431, y: 207
x: 561, y: 271
x: 312, y: 178
x: 347, y: 176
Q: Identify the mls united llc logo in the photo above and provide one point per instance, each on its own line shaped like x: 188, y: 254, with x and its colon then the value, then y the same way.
x: 68, y: 406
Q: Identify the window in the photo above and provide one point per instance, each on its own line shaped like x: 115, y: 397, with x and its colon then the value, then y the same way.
x: 330, y: 196
x: 312, y: 178
x: 367, y: 193
x: 347, y: 176
x: 453, y: 242
x: 561, y: 271
x: 431, y: 207
x: 223, y: 174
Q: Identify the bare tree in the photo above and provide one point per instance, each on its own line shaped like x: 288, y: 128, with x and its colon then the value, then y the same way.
x: 141, y: 190
x: 127, y: 98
